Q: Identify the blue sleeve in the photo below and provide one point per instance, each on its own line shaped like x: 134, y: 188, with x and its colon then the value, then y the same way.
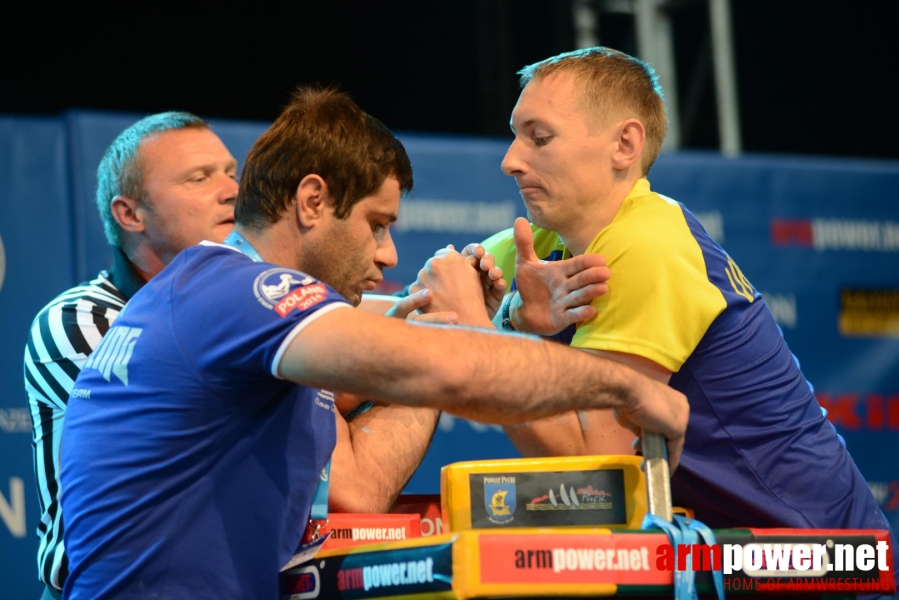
x: 237, y: 319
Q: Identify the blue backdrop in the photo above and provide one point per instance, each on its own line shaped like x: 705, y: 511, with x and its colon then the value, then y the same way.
x: 819, y: 238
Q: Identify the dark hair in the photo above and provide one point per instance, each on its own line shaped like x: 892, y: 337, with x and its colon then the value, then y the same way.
x: 612, y: 83
x: 321, y: 132
x: 120, y: 172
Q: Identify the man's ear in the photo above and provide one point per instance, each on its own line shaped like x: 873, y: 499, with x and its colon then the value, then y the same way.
x: 128, y: 213
x: 631, y: 135
x: 311, y: 198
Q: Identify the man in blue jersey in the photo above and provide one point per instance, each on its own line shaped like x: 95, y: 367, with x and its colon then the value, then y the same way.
x: 165, y: 183
x: 759, y: 452
x: 195, y: 456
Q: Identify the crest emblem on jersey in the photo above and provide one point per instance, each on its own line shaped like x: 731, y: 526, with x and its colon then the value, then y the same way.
x: 273, y: 284
x: 284, y: 290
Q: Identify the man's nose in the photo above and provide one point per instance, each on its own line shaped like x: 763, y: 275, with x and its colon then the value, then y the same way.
x: 386, y: 256
x: 229, y: 187
x: 512, y: 162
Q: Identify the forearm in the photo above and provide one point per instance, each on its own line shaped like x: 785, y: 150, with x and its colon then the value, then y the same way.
x: 376, y: 454
x: 560, y: 435
x: 447, y: 368
x: 572, y: 434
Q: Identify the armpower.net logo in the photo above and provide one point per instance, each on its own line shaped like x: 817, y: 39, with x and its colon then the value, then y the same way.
x: 762, y: 567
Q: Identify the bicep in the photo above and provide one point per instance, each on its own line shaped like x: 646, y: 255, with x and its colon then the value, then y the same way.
x: 603, y: 434
x: 355, y: 351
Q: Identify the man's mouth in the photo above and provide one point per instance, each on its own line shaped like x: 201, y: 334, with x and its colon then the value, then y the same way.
x: 371, y: 284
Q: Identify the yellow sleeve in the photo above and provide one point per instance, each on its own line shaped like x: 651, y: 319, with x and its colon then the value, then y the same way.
x: 660, y: 302
x: 502, y: 246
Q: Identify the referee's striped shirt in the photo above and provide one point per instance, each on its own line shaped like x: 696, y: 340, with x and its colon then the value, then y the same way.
x: 62, y: 336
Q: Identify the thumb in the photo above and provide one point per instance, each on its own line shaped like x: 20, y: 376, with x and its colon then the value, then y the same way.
x: 524, y: 241
x: 412, y: 302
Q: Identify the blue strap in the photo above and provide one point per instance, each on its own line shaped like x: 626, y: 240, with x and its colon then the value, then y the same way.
x: 364, y: 407
x: 708, y: 537
x: 235, y: 240
x: 680, y: 532
x: 320, y: 495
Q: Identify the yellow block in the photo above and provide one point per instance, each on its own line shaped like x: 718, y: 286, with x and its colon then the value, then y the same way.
x: 582, y: 491
x: 517, y: 563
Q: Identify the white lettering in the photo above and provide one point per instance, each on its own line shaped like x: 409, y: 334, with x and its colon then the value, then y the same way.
x: 882, y: 553
x: 394, y: 574
x: 114, y: 352
x: 880, y: 490
x: 378, y: 533
x: 864, y: 557
x: 733, y: 558
x: 802, y: 557
x: 13, y: 511
x: 599, y: 559
x: 752, y: 557
x: 782, y: 307
x: 15, y: 420
x: 456, y: 216
x: 431, y: 527
x: 779, y: 560
x: 869, y: 236
x: 713, y: 223
x: 777, y: 557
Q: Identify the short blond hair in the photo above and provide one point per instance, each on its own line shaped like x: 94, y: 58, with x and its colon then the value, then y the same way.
x: 609, y: 82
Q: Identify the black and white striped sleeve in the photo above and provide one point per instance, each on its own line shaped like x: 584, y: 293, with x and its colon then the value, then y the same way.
x: 62, y: 336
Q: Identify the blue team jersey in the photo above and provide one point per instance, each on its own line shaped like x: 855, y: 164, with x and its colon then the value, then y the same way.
x: 188, y: 465
x: 759, y: 452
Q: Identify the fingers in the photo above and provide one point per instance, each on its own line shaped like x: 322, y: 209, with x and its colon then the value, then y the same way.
x: 583, y: 262
x: 626, y: 423
x: 585, y: 277
x: 410, y: 303
x: 575, y: 315
x: 524, y: 241
x: 675, y: 449
x: 480, y: 259
x: 474, y: 250
x: 661, y: 409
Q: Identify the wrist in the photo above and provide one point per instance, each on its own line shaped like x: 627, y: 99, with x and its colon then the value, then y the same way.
x: 506, y: 311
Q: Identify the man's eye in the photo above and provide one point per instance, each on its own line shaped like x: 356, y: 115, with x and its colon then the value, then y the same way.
x: 541, y: 141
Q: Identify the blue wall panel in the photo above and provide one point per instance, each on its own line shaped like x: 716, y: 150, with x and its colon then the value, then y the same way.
x: 36, y: 237
x: 803, y: 230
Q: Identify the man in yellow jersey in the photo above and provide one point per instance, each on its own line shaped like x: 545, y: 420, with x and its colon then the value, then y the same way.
x: 759, y: 452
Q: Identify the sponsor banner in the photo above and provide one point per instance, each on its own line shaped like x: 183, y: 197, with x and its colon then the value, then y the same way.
x: 539, y: 499
x: 861, y: 412
x: 614, y: 559
x: 837, y: 234
x: 782, y: 560
x: 361, y: 529
x: 869, y: 313
x: 15, y: 420
x: 377, y: 574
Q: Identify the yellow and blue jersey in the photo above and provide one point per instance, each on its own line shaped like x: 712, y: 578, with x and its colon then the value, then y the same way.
x: 759, y: 451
